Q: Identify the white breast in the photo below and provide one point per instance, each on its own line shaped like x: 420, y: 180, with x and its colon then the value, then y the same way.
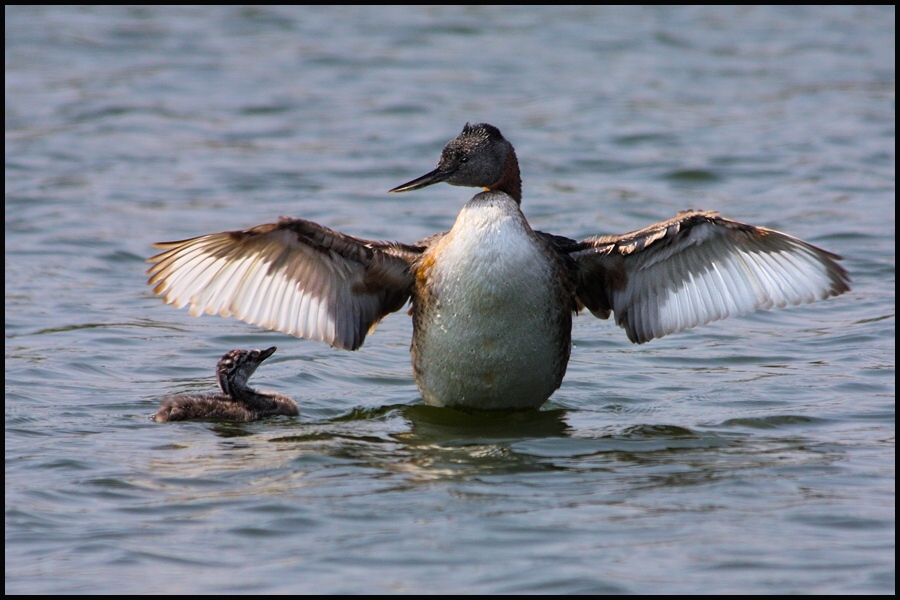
x: 495, y: 329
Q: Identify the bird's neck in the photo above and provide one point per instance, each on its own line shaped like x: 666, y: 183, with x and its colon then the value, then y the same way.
x: 510, y: 180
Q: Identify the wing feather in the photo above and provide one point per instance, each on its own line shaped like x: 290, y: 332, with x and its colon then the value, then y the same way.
x: 697, y: 268
x: 292, y: 276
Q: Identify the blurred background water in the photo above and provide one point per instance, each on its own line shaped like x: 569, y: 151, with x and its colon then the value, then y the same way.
x: 755, y: 455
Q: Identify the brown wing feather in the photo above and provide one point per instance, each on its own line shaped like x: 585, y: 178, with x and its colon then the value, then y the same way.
x: 293, y: 276
x: 696, y: 268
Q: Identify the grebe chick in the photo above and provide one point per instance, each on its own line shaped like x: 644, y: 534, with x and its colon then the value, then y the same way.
x: 237, y: 402
x: 492, y: 299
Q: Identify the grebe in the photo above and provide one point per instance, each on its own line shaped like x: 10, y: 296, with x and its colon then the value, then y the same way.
x: 237, y: 402
x: 492, y: 299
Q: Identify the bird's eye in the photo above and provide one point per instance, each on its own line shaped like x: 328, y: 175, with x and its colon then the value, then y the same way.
x: 464, y: 159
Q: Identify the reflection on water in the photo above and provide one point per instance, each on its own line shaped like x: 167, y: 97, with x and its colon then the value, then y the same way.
x: 431, y: 425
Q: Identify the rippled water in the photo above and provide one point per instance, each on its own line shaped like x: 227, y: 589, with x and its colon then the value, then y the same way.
x: 753, y: 455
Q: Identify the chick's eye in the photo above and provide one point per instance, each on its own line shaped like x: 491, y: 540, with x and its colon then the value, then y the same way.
x: 464, y: 159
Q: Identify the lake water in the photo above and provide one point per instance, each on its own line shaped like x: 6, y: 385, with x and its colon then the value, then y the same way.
x: 755, y: 455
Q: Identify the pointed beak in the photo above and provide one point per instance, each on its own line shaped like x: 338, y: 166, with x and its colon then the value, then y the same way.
x: 264, y: 354
x: 435, y: 176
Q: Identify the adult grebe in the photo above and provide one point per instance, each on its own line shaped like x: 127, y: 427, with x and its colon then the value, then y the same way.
x: 492, y: 299
x: 237, y: 402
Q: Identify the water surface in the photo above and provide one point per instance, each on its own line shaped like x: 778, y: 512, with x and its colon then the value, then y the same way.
x: 754, y: 455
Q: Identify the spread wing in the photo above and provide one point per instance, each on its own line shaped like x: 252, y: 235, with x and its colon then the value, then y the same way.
x: 293, y: 276
x: 697, y: 268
